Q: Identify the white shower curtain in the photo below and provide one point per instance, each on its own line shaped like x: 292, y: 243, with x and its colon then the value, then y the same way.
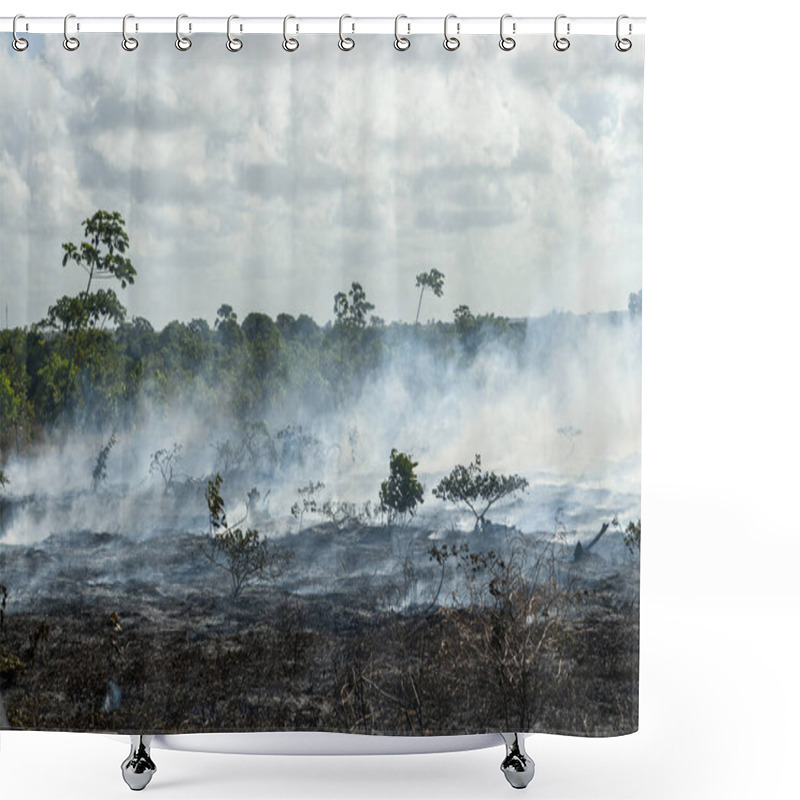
x: 320, y: 385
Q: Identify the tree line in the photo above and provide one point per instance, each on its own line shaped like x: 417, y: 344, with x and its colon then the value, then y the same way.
x: 88, y: 363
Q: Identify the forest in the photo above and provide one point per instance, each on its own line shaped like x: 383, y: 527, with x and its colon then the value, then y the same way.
x: 260, y: 523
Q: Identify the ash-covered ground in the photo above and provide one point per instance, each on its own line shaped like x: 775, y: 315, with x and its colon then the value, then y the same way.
x: 366, y: 630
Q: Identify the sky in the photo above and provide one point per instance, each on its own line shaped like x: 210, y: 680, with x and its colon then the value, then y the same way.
x: 274, y: 184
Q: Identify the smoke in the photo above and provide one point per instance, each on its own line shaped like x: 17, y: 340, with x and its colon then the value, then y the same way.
x: 557, y: 399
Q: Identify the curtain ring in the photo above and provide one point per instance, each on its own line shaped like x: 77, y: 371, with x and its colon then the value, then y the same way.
x: 400, y: 42
x: 128, y: 42
x: 345, y: 42
x: 623, y: 45
x: 233, y: 44
x: 289, y: 45
x: 450, y: 42
x: 506, y: 42
x: 561, y: 43
x: 70, y: 42
x: 181, y: 42
x: 19, y: 44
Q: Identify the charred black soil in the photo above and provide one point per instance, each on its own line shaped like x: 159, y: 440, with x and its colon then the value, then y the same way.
x: 498, y: 649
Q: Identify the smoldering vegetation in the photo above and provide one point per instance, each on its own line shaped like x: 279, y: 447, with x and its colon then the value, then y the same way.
x: 234, y: 526
x: 467, y: 641
x: 556, y: 398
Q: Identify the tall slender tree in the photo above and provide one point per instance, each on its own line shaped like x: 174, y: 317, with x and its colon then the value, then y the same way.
x: 101, y: 256
x: 433, y: 280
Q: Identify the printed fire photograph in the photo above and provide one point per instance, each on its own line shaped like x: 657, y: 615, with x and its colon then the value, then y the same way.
x: 320, y: 387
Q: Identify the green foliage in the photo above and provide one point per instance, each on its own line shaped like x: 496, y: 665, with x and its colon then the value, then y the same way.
x: 101, y: 256
x: 402, y: 492
x: 17, y: 412
x: 91, y: 309
x: 49, y: 387
x: 465, y: 321
x: 352, y: 309
x: 227, y: 326
x: 433, y: 280
x: 243, y: 554
x: 477, y: 489
x: 88, y: 367
x: 106, y: 229
x: 9, y: 402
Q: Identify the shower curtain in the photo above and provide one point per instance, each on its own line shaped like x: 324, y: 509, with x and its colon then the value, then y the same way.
x: 320, y: 382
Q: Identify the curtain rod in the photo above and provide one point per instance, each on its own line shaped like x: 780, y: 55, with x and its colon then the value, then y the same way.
x: 462, y: 26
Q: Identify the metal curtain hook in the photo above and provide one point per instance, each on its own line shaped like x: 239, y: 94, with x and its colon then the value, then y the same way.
x: 561, y: 43
x: 234, y: 45
x: 623, y: 45
x: 400, y: 42
x: 128, y: 42
x: 70, y: 42
x: 181, y: 42
x: 345, y: 42
x: 506, y: 42
x: 18, y: 43
x: 289, y: 45
x: 451, y: 42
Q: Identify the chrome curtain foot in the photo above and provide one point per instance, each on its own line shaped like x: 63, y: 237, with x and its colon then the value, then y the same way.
x: 517, y: 766
x: 138, y: 768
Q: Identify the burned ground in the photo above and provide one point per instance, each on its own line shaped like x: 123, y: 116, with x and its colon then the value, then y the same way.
x: 360, y: 651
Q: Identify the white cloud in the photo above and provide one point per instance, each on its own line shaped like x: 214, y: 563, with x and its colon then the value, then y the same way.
x: 518, y: 174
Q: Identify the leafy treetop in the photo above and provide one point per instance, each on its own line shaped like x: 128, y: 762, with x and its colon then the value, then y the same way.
x: 477, y: 489
x: 433, y: 280
x: 352, y: 309
x: 106, y: 229
x: 401, y: 492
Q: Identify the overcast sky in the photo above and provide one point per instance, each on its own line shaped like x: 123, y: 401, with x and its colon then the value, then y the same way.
x: 275, y: 183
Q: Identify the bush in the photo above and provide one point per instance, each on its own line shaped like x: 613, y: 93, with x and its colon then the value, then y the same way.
x: 244, y: 555
x: 402, y: 492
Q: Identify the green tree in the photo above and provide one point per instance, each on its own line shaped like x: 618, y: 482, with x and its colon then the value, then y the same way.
x: 9, y: 408
x: 477, y: 489
x: 94, y: 310
x: 433, y: 280
x: 226, y: 323
x: 263, y: 347
x: 465, y: 321
x: 402, y: 492
x: 352, y: 309
x: 102, y: 256
x: 16, y: 409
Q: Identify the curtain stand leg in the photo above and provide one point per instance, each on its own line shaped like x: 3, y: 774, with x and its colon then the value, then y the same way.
x: 138, y: 768
x: 517, y: 766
